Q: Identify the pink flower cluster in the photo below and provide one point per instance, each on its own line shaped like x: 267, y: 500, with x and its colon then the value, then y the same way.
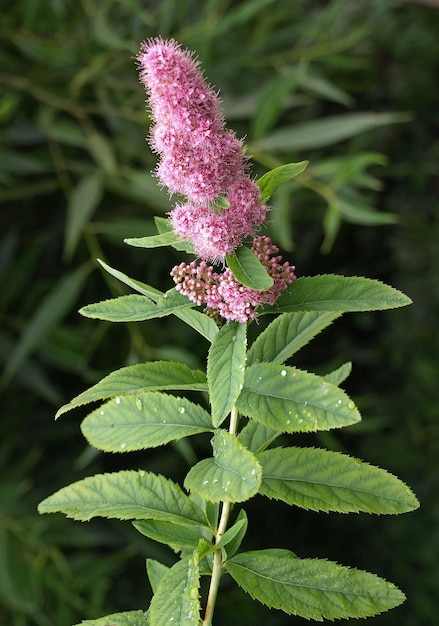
x: 199, y: 157
x: 222, y: 293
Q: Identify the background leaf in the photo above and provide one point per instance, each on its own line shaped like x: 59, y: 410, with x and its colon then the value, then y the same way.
x: 322, y: 480
x: 225, y: 369
x: 312, y: 588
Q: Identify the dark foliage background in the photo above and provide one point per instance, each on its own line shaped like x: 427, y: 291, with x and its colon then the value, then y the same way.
x: 351, y: 86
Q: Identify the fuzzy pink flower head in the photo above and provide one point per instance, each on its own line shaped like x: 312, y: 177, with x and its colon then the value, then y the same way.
x: 200, y: 159
x: 222, y: 294
x: 214, y: 235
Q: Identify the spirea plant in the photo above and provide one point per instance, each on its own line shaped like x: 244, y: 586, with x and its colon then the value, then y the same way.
x: 248, y: 396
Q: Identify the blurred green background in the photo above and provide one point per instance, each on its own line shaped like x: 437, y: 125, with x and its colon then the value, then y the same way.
x: 351, y: 86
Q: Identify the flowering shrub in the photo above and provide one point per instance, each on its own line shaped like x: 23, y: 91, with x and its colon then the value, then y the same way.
x: 253, y: 395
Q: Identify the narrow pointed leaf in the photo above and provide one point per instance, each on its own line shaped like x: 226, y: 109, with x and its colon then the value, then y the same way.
x: 129, y: 618
x: 176, y: 536
x: 144, y: 420
x: 330, y: 292
x: 234, y: 544
x: 176, y: 599
x: 155, y: 571
x: 133, y: 379
x: 321, y: 480
x: 291, y: 400
x: 225, y: 369
x: 124, y: 495
x: 83, y: 201
x: 269, y: 182
x: 200, y: 322
x: 248, y: 270
x: 164, y: 226
x: 154, y: 241
x: 312, y: 588
x: 237, y: 530
x: 287, y: 333
x: 233, y: 474
x: 136, y: 308
x: 338, y: 376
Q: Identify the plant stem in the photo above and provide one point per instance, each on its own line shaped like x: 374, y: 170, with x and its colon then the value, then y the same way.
x: 217, y: 556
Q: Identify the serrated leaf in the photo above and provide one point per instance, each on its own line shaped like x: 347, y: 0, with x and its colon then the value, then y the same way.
x: 312, y: 588
x: 269, y: 182
x: 291, y: 400
x: 256, y: 436
x: 322, y: 480
x: 203, y: 324
x: 177, y: 597
x: 129, y: 618
x: 144, y: 420
x: 248, y: 270
x: 135, y: 308
x: 330, y: 292
x: 124, y: 495
x: 286, y: 334
x: 133, y: 379
x: 338, y: 376
x: 155, y: 571
x: 225, y: 369
x: 233, y: 474
x: 176, y: 536
x: 164, y: 226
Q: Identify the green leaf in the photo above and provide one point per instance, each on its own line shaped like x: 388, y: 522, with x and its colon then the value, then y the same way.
x: 291, y: 400
x: 145, y: 420
x: 248, y: 270
x: 177, y: 597
x: 326, y: 131
x: 129, y: 618
x: 235, y: 533
x: 225, y: 369
x: 234, y: 540
x: 154, y: 241
x: 330, y: 292
x: 289, y: 332
x: 49, y: 312
x: 233, y: 474
x: 83, y: 201
x: 198, y: 321
x: 176, y: 536
x: 124, y: 495
x: 312, y: 588
x: 321, y: 480
x: 151, y: 376
x: 135, y: 308
x: 338, y: 376
x: 163, y: 226
x: 256, y: 436
x: 269, y: 182
x: 155, y: 571
x: 137, y: 285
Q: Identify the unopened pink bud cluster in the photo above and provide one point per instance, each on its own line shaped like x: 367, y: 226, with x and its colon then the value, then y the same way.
x: 203, y: 161
x: 221, y: 292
